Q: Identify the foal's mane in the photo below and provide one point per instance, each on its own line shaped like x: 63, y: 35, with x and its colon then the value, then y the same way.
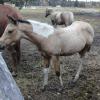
x: 23, y: 21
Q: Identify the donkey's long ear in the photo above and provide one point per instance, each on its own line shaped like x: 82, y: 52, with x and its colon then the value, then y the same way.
x: 12, y: 20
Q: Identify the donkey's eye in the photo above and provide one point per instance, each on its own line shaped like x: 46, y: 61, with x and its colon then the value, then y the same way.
x: 10, y: 31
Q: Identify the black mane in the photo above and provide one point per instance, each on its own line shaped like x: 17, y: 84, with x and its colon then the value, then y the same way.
x: 23, y: 21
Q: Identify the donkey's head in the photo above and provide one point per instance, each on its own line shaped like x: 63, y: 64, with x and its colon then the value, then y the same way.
x: 48, y: 12
x: 11, y: 34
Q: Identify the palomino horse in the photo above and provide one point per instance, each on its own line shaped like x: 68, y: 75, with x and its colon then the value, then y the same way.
x: 60, y: 18
x: 51, y: 42
x: 15, y: 49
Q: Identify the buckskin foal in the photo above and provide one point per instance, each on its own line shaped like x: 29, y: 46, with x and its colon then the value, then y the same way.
x: 51, y: 42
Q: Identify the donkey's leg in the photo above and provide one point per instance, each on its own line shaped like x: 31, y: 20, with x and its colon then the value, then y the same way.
x: 66, y: 24
x: 56, y: 64
x: 54, y: 23
x: 46, y: 70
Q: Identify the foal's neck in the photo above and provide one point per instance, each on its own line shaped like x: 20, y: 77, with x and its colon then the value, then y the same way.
x: 28, y: 34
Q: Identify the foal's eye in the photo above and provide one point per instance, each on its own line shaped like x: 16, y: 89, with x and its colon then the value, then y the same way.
x: 10, y: 31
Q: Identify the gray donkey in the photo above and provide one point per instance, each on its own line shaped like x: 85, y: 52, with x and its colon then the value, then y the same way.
x: 60, y: 18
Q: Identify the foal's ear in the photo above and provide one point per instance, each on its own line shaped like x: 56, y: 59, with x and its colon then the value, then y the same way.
x: 12, y: 20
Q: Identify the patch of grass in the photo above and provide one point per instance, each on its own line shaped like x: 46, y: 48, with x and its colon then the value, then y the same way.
x: 73, y: 9
x: 37, y: 10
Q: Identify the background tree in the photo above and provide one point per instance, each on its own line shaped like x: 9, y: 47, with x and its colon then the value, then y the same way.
x: 1, y: 1
x: 76, y: 4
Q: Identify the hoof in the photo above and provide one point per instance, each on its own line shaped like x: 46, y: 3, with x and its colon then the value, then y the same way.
x: 14, y: 74
x: 60, y: 90
x: 44, y: 88
x: 72, y: 84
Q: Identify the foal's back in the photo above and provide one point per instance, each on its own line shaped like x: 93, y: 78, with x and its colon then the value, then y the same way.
x: 77, y: 28
x: 74, y: 38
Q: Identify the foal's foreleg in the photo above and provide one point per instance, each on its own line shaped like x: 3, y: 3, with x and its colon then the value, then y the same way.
x: 18, y: 52
x: 56, y: 63
x: 12, y: 52
x: 46, y: 70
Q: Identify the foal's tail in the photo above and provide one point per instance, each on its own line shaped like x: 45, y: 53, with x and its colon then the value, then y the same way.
x: 90, y: 34
x: 90, y: 30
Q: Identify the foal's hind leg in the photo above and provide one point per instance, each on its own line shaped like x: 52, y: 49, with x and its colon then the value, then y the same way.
x: 56, y: 63
x: 82, y: 54
x: 79, y: 70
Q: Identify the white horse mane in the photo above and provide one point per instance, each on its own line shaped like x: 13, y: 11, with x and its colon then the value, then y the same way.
x: 42, y: 28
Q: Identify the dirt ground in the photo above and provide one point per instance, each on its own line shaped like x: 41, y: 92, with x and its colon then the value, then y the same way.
x: 30, y: 76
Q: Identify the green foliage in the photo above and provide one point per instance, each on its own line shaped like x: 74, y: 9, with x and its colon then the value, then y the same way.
x: 1, y: 1
x: 14, y: 1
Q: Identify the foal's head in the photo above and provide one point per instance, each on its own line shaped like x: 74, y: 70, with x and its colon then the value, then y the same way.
x: 11, y: 34
x: 48, y: 12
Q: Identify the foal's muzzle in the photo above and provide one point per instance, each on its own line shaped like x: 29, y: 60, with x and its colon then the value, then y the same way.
x: 2, y: 46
